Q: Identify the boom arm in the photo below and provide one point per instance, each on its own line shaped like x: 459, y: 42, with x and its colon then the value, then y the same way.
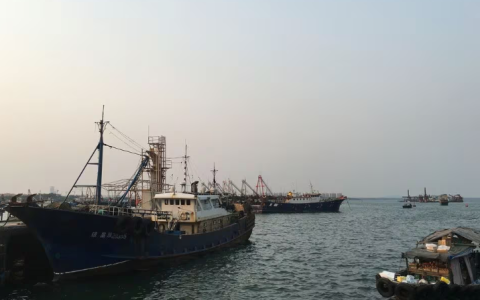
x: 135, y: 178
x: 232, y: 184
x: 245, y: 182
x: 268, y: 189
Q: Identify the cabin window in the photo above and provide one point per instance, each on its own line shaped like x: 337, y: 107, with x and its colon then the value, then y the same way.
x: 166, y: 201
x: 199, y: 207
x: 171, y: 201
x: 206, y: 204
x: 177, y: 202
x: 215, y: 203
x: 183, y: 202
x: 188, y: 202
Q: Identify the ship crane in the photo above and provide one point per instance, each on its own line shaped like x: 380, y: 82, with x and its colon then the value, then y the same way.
x: 268, y: 189
x: 244, y: 183
x: 233, y: 185
x: 217, y: 187
x: 207, y: 188
x: 227, y: 187
x: 262, y: 187
x: 220, y: 189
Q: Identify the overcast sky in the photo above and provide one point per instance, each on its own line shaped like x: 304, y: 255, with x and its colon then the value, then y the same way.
x: 368, y: 98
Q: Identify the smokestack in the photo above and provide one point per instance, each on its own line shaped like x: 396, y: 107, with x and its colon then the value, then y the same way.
x: 194, y: 187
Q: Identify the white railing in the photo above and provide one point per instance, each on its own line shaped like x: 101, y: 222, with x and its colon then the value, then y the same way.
x: 123, y: 211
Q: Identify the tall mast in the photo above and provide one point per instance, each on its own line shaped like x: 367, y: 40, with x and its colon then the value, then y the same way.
x: 101, y: 129
x: 214, y: 171
x: 185, y: 170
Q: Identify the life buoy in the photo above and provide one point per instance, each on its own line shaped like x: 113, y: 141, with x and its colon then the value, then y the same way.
x: 183, y: 216
x: 385, y: 287
x: 123, y: 224
x: 405, y: 291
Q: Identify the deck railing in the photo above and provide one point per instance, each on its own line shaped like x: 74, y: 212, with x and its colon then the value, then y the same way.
x: 133, y: 212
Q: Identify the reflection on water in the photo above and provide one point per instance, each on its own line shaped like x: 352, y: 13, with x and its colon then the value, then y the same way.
x: 308, y: 256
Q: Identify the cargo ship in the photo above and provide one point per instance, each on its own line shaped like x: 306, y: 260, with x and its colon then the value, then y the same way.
x: 98, y: 239
x: 306, y: 203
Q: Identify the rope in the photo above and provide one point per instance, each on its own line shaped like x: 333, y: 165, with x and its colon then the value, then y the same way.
x: 195, y: 170
x: 128, y: 145
x: 113, y: 147
x: 127, y: 137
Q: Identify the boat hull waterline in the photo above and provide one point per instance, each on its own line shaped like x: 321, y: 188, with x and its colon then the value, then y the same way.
x: 80, y: 244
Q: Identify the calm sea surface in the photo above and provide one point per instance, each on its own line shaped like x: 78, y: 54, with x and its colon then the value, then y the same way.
x: 295, y: 256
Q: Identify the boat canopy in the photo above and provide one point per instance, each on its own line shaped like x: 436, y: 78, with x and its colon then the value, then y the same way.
x: 454, y: 252
x: 472, y: 235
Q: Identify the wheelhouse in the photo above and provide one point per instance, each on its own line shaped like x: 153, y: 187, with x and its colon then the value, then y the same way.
x: 190, y: 213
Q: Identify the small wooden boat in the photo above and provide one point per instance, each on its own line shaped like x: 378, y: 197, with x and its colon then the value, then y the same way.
x: 442, y: 266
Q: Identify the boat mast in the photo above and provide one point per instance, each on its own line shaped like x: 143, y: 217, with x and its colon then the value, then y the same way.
x: 101, y: 126
x: 101, y: 129
x: 185, y: 171
x: 214, y: 171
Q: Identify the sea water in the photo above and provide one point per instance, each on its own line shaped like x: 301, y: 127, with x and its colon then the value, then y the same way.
x: 290, y: 256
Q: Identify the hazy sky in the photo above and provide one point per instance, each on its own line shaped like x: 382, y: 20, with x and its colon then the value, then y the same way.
x: 368, y: 98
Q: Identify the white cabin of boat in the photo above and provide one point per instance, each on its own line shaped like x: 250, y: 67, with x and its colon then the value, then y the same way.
x: 193, y: 213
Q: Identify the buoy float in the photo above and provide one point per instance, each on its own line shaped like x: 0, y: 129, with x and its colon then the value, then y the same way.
x: 466, y: 204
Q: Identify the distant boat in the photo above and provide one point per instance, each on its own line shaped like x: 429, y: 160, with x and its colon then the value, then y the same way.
x: 443, y: 199
x: 305, y: 203
x: 456, y: 198
x: 407, y: 205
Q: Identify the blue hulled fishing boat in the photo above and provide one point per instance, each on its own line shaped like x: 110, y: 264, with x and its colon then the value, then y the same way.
x: 104, y: 239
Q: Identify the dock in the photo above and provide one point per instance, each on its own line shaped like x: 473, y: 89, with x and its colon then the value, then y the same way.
x: 22, y: 256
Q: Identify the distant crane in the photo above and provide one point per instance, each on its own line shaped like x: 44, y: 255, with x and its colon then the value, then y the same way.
x: 262, y: 187
x: 207, y: 188
x: 245, y: 185
x: 236, y: 188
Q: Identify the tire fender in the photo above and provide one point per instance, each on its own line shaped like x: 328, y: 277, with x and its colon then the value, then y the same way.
x: 123, y: 224
x: 385, y: 287
x: 136, y: 226
x: 149, y: 227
